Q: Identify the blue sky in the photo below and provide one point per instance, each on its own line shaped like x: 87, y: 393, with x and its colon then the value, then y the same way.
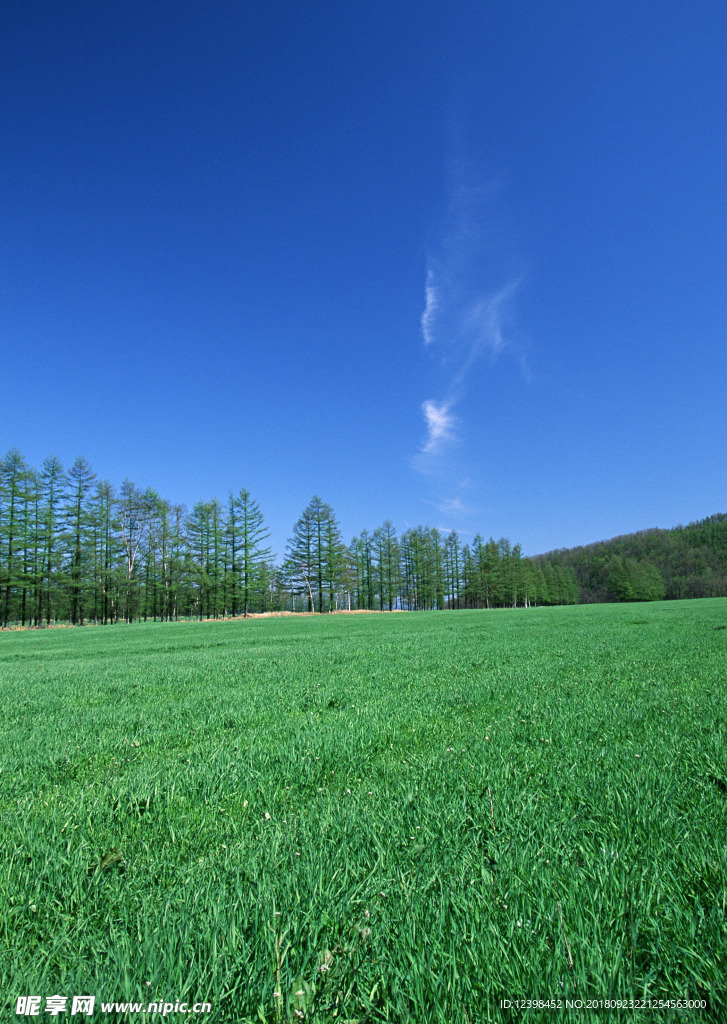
x: 456, y: 264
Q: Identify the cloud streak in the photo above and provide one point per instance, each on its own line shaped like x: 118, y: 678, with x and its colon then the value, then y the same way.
x: 467, y: 310
x: 448, y: 506
x: 484, y: 327
x: 440, y: 426
x: 431, y: 293
x: 480, y: 329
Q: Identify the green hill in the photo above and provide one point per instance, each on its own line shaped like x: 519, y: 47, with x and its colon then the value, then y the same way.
x: 686, y: 561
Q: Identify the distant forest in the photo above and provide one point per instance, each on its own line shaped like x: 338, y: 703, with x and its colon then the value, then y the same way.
x: 73, y: 549
x: 686, y: 561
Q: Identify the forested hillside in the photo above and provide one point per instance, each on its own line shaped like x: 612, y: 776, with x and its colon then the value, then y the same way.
x: 75, y: 549
x: 687, y: 561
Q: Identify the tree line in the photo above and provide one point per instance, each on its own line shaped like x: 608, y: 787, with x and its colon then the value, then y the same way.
x: 75, y: 549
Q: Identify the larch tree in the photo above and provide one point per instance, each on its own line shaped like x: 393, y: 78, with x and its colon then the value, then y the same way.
x: 13, y: 477
x: 336, y: 561
x: 72, y: 551
x: 386, y: 546
x: 315, y: 554
x: 105, y: 552
x: 198, y: 530
x: 253, y: 555
x: 215, y: 559
x: 452, y: 577
x: 132, y: 524
x: 361, y: 571
x: 80, y: 480
x: 53, y: 484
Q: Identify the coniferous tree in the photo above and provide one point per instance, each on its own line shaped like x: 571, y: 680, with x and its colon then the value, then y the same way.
x: 28, y: 560
x: 232, y: 536
x: 516, y: 580
x: 315, y: 554
x: 53, y: 483
x: 253, y: 555
x: 336, y: 559
x: 198, y: 529
x: 476, y: 590
x: 155, y: 511
x: 80, y: 480
x: 435, y: 568
x: 466, y: 573
x: 357, y: 572
x: 369, y: 585
x: 361, y: 571
x: 386, y: 546
x: 13, y: 477
x: 452, y: 577
x: 178, y: 558
x: 71, y: 551
x: 35, y: 550
x: 407, y: 570
x: 106, y: 553
x: 131, y: 523
x: 215, y: 558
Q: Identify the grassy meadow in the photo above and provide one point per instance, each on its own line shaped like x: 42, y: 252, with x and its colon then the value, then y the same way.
x: 398, y: 817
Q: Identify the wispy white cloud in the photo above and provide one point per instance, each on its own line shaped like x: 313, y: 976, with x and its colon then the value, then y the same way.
x: 440, y: 426
x: 431, y: 295
x: 449, y: 506
x: 485, y: 323
x: 481, y: 329
x: 467, y: 308
x: 486, y: 318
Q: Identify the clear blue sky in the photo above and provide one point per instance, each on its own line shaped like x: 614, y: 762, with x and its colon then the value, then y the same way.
x: 454, y: 264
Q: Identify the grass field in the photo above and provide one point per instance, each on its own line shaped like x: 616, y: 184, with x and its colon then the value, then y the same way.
x: 369, y: 818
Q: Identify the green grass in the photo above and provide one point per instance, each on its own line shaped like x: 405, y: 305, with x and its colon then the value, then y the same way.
x: 381, y: 818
